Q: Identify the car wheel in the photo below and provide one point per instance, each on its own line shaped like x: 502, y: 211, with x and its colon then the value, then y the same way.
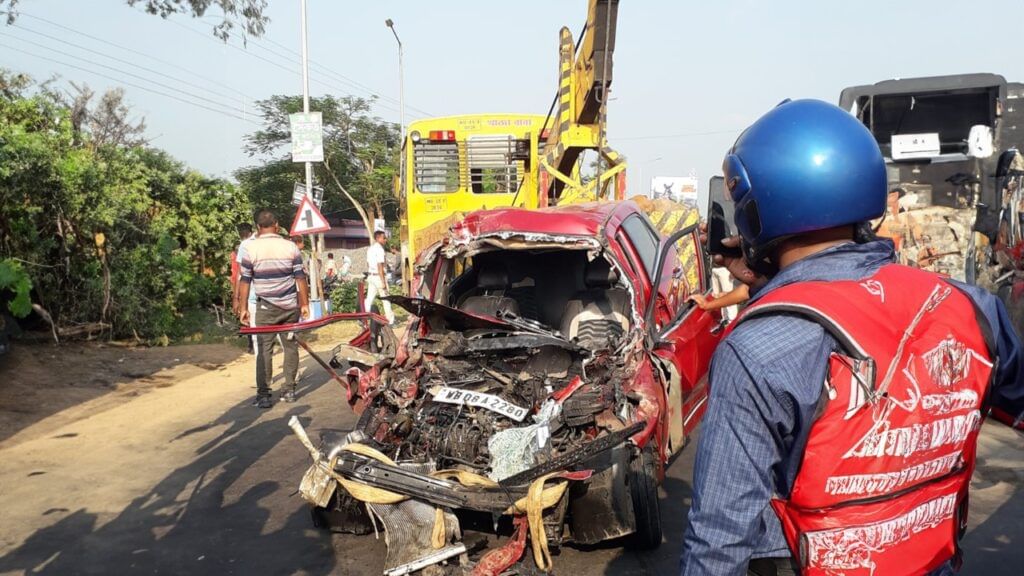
x: 643, y: 485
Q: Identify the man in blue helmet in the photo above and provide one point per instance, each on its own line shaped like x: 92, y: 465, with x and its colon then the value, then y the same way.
x: 845, y: 403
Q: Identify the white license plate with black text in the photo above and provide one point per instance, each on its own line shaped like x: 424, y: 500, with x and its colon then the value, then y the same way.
x: 480, y: 400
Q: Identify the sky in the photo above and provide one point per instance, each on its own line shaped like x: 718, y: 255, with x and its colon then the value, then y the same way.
x: 688, y: 75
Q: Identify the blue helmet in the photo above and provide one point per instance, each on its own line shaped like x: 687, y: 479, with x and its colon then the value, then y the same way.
x: 804, y: 166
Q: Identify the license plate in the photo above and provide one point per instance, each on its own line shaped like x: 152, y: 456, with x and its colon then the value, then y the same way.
x: 480, y: 400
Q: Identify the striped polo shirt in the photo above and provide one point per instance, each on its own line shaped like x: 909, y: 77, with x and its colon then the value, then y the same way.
x: 271, y: 264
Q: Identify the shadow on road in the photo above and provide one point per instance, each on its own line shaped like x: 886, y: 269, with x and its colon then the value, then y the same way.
x: 675, y: 505
x: 189, y: 523
x: 995, y: 547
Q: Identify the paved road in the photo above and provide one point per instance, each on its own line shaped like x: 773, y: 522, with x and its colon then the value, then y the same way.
x: 191, y: 479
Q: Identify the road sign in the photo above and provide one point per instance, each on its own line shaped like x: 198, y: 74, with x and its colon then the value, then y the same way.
x: 307, y: 137
x: 308, y: 220
x: 299, y: 192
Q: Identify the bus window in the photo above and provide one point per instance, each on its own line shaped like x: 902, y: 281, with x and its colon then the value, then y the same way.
x: 436, y: 165
x: 492, y: 169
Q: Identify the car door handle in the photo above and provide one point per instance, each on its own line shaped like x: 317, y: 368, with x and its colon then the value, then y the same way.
x: 718, y: 327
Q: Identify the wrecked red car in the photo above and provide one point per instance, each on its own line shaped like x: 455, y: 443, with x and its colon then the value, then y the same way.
x: 552, y: 368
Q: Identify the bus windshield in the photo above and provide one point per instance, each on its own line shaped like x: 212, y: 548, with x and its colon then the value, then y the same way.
x: 458, y: 164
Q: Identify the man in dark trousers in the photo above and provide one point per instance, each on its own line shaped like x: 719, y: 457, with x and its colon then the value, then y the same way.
x: 271, y: 266
x: 846, y: 401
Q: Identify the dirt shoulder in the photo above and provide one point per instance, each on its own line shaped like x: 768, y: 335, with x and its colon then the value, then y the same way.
x: 56, y: 385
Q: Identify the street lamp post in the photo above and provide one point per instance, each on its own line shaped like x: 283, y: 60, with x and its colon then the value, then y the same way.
x: 314, y: 287
x: 401, y: 81
x: 640, y: 175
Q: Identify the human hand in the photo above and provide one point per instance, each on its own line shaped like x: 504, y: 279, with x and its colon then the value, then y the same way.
x: 243, y: 316
x: 304, y: 311
x: 699, y: 300
x: 737, y: 266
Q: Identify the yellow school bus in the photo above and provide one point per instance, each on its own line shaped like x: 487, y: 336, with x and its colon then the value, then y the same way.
x: 458, y: 164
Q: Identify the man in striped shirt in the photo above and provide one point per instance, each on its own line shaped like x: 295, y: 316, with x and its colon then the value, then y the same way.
x: 271, y: 266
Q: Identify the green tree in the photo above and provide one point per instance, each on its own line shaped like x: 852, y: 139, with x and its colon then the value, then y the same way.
x: 250, y: 13
x: 110, y: 231
x: 360, y: 152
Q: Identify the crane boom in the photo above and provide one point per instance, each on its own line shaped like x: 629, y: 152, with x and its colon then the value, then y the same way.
x: 584, y: 82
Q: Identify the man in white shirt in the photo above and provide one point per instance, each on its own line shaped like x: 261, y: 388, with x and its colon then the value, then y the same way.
x: 346, y: 265
x: 376, y: 276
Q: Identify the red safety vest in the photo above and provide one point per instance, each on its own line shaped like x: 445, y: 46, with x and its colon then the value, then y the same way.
x: 882, y: 486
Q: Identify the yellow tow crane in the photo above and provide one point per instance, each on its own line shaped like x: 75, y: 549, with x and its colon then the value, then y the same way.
x: 582, y: 100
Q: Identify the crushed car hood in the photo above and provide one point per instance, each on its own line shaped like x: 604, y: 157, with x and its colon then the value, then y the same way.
x: 453, y: 318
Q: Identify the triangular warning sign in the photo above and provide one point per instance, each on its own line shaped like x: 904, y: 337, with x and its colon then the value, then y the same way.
x: 308, y: 220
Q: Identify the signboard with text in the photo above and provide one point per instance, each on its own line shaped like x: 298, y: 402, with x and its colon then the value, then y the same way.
x: 307, y: 137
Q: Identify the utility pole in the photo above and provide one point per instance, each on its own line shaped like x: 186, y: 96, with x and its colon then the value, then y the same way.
x: 645, y: 190
x: 314, y: 284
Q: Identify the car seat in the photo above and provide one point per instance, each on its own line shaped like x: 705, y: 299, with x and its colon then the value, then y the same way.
x: 490, y: 299
x: 597, y: 317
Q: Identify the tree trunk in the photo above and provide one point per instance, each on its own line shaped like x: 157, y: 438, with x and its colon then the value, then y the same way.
x: 359, y: 207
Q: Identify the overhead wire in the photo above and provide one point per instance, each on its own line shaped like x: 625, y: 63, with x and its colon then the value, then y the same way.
x: 278, y: 64
x: 342, y: 78
x: 681, y: 135
x: 136, y: 52
x: 125, y: 72
x: 331, y: 72
x: 123, y: 61
x: 127, y: 83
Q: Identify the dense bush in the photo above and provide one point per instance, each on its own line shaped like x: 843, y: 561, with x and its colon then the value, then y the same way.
x: 114, y: 232
x: 344, y: 297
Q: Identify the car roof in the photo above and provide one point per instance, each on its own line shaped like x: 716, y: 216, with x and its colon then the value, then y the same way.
x: 586, y: 219
x: 921, y: 85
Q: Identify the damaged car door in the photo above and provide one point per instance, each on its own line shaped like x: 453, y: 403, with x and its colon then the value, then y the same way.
x: 684, y: 345
x: 681, y: 337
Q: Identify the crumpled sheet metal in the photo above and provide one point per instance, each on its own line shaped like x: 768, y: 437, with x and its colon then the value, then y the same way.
x: 512, y: 450
x: 462, y: 244
x: 501, y: 559
x: 355, y: 355
x: 317, y: 485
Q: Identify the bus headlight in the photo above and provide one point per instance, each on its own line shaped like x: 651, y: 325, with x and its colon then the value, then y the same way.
x: 414, y: 136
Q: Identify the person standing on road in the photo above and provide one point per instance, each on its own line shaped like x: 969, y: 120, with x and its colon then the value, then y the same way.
x: 271, y: 267
x: 346, y: 267
x: 244, y: 234
x: 330, y: 267
x: 376, y: 275
x: 845, y: 403
x: 300, y: 243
